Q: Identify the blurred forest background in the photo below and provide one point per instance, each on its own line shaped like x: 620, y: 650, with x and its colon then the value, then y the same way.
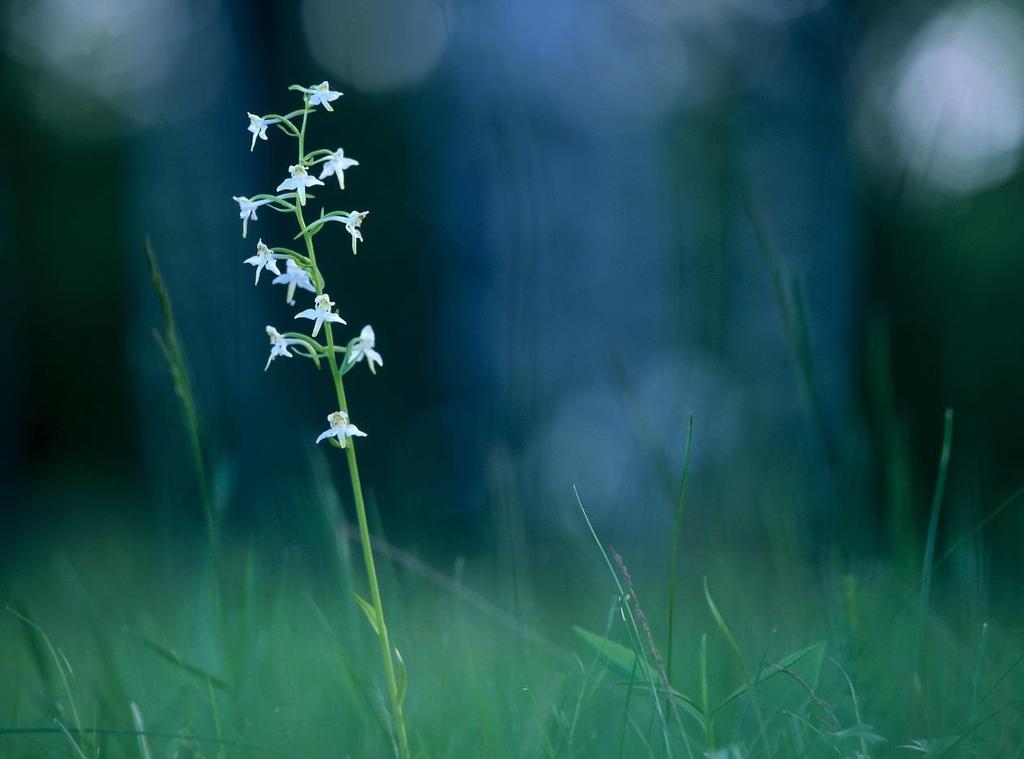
x: 587, y: 220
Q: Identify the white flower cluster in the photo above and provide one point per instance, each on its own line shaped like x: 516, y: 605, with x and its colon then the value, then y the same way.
x: 300, y: 269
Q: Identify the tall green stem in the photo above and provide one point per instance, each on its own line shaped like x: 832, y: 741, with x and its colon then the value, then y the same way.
x: 357, y: 490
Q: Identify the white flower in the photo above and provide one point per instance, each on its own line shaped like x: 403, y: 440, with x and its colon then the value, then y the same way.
x: 258, y: 126
x: 263, y: 259
x: 340, y: 429
x: 278, y: 345
x: 335, y: 165
x: 352, y: 222
x: 364, y: 346
x: 321, y: 312
x: 299, y: 181
x: 247, y: 209
x: 321, y: 94
x: 294, y: 276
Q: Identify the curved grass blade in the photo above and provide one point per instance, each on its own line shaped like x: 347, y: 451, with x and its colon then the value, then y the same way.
x: 933, y: 520
x: 204, y: 676
x: 770, y: 671
x: 368, y: 610
x: 727, y: 634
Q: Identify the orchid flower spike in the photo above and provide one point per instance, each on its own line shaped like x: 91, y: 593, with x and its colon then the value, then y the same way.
x: 321, y: 94
x: 322, y: 311
x: 258, y: 126
x: 364, y: 346
x: 335, y: 164
x: 294, y: 276
x: 340, y: 429
x: 298, y: 181
x: 263, y: 259
x: 278, y: 345
x: 247, y: 210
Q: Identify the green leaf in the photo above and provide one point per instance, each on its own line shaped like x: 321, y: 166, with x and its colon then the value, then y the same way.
x: 403, y: 678
x: 750, y: 680
x: 772, y: 670
x: 368, y: 610
x: 617, y: 655
x: 862, y: 732
x: 624, y: 660
x: 172, y: 656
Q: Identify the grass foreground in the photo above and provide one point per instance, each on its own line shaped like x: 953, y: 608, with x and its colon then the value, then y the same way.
x: 115, y: 646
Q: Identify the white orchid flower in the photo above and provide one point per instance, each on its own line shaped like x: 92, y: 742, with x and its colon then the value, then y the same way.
x: 263, y: 259
x: 352, y: 222
x: 321, y: 94
x: 299, y: 181
x: 363, y: 346
x: 335, y: 165
x: 322, y: 311
x: 258, y: 126
x: 247, y: 210
x: 340, y: 429
x: 294, y: 276
x: 278, y: 345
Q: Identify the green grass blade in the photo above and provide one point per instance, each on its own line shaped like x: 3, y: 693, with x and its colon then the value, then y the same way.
x: 773, y: 669
x: 174, y: 354
x: 161, y: 734
x: 677, y: 532
x: 626, y: 662
x: 705, y: 695
x: 727, y: 634
x: 1009, y: 501
x: 170, y: 655
x: 75, y: 748
x: 933, y: 521
x: 58, y: 659
x: 38, y: 657
x: 625, y: 710
x: 632, y: 628
x: 619, y: 656
x: 368, y: 610
x: 402, y: 675
x: 140, y: 728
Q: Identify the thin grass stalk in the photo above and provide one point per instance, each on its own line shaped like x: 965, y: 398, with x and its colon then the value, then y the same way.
x: 979, y: 660
x: 625, y: 710
x: 856, y: 706
x: 933, y: 521
x: 174, y: 355
x: 645, y: 627
x: 632, y: 628
x: 705, y: 696
x: 1007, y: 502
x: 65, y: 730
x: 677, y: 532
x: 794, y: 319
x: 727, y: 634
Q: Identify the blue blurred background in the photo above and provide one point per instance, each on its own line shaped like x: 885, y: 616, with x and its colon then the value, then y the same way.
x: 588, y: 220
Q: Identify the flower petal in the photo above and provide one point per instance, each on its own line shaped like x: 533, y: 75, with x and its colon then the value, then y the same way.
x: 352, y: 431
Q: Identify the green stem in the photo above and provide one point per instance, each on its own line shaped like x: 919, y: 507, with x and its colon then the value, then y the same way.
x: 302, y: 132
x: 357, y: 492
